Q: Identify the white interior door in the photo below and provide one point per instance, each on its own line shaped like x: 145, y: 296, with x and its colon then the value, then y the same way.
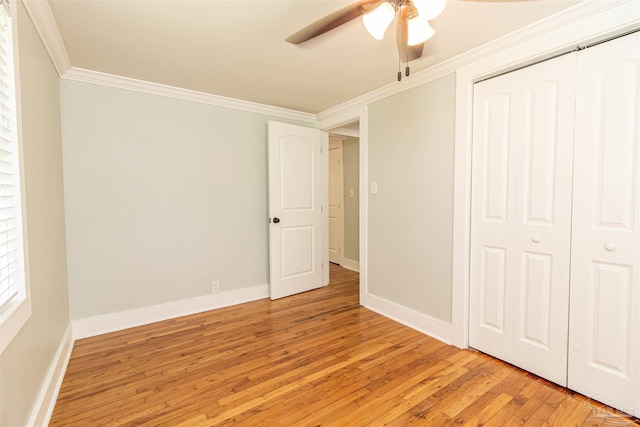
x: 297, y: 193
x: 336, y: 201
x: 604, y: 351
x: 521, y: 216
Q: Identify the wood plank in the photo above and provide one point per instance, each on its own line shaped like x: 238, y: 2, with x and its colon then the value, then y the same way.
x: 316, y: 358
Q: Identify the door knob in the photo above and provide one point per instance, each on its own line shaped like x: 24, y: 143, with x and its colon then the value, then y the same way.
x: 610, y: 247
x: 276, y: 220
x: 535, y: 238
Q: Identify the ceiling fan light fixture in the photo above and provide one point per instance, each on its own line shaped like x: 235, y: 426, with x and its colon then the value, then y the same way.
x: 429, y: 9
x: 377, y: 21
x: 419, y: 31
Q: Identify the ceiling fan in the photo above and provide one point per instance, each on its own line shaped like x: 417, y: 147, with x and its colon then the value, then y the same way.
x: 412, y: 24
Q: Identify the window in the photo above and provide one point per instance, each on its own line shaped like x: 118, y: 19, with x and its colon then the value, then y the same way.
x: 15, y: 306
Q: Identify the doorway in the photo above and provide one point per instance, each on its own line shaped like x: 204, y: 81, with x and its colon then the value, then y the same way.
x: 344, y: 196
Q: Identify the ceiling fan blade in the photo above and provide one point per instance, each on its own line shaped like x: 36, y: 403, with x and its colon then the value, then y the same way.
x: 333, y: 20
x: 370, y: 5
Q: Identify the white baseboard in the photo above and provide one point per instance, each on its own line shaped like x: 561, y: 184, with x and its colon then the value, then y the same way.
x: 112, y: 322
x: 46, y: 401
x: 350, y: 264
x: 428, y: 325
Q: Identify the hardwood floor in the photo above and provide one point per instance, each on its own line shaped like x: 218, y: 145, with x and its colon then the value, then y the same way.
x: 316, y: 358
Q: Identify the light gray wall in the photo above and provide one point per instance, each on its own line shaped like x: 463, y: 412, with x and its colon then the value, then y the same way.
x: 162, y: 197
x: 350, y: 155
x: 410, y: 144
x: 25, y: 362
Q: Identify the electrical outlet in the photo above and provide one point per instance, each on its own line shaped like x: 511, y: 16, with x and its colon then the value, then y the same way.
x: 215, y: 286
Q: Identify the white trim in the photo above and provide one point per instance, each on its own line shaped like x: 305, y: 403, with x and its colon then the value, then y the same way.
x: 112, y: 322
x: 594, y: 20
x: 46, y: 26
x: 16, y: 314
x: 336, y: 120
x: 428, y: 325
x: 350, y: 264
x: 363, y: 145
x: 324, y: 182
x: 13, y: 317
x: 353, y: 133
x: 104, y: 79
x: 46, y: 401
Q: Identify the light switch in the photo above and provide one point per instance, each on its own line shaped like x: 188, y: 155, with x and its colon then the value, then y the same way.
x: 374, y: 187
x: 351, y: 193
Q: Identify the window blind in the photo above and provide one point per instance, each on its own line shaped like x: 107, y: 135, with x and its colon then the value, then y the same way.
x: 10, y: 285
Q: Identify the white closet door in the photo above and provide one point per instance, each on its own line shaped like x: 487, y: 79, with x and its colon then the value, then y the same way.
x: 604, y: 352
x: 492, y: 217
x: 521, y: 216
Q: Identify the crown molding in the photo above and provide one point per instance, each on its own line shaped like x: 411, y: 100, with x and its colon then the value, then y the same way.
x: 88, y: 76
x: 537, y: 29
x: 45, y: 24
x: 46, y: 27
x: 42, y: 18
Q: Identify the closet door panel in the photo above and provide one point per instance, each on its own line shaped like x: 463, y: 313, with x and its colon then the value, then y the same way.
x: 493, y: 284
x: 493, y: 199
x: 495, y: 158
x: 543, y: 213
x: 612, y: 287
x: 536, y: 316
x: 604, y: 351
x: 540, y: 151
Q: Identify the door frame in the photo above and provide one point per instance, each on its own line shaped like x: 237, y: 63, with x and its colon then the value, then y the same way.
x: 337, y: 145
x: 597, y: 23
x: 336, y: 120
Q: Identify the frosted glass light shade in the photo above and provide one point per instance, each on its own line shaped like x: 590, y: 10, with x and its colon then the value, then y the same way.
x: 419, y: 31
x: 429, y: 9
x: 378, y: 21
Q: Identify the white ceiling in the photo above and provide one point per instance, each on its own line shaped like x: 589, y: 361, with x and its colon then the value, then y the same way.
x: 236, y: 48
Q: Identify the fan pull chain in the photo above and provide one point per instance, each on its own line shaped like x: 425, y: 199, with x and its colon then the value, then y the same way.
x: 407, y: 71
x: 397, y: 19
